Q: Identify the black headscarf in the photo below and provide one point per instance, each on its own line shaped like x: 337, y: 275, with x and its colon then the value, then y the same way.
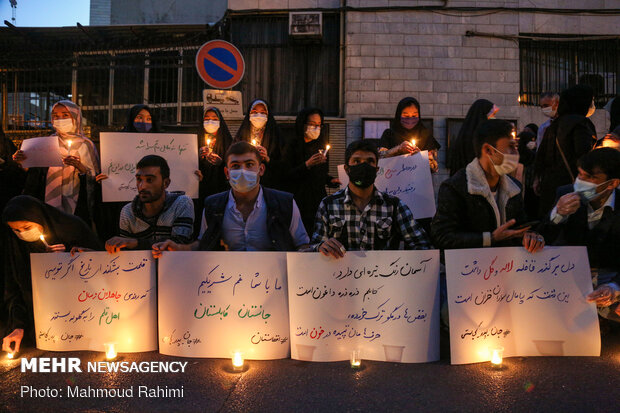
x: 133, y: 112
x: 462, y: 150
x: 532, y: 126
x: 223, y: 138
x: 575, y: 100
x: 59, y: 228
x: 526, y: 155
x: 397, y: 133
x: 271, y: 136
x: 12, y: 176
x: 300, y: 130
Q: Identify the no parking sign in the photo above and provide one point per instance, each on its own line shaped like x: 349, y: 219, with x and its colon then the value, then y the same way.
x: 220, y: 64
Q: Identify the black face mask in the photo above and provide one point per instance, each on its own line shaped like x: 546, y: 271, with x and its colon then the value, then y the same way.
x: 362, y: 175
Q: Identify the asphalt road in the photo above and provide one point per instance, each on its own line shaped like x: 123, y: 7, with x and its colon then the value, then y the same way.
x: 549, y: 384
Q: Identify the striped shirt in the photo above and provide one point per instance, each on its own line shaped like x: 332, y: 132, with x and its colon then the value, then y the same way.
x: 174, y: 222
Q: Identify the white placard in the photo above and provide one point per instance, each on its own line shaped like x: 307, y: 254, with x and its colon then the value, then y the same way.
x: 41, y: 152
x: 212, y: 304
x: 92, y: 298
x: 407, y: 177
x: 229, y: 102
x: 529, y: 304
x: 120, y: 152
x: 384, y: 303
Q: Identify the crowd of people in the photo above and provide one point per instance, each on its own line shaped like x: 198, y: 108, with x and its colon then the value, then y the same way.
x: 553, y: 184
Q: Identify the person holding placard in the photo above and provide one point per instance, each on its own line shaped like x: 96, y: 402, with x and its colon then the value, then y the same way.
x: 140, y: 119
x: 362, y: 218
x: 480, y: 205
x: 34, y: 227
x: 71, y: 187
x: 259, y: 128
x: 407, y: 134
x: 154, y: 215
x: 249, y: 217
x: 586, y: 213
x: 310, y: 172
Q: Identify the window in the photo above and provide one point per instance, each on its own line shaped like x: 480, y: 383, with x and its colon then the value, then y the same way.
x: 556, y: 64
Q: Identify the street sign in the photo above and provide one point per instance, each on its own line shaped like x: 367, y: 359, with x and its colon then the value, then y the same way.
x: 220, y: 64
x: 227, y: 101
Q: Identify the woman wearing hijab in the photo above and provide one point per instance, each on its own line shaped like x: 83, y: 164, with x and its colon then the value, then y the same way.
x: 27, y: 218
x: 462, y: 149
x: 71, y: 187
x: 141, y: 120
x: 259, y: 127
x: 309, y: 172
x: 407, y: 134
x: 568, y: 137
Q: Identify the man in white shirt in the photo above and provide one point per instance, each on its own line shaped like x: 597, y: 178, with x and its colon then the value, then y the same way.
x: 586, y: 214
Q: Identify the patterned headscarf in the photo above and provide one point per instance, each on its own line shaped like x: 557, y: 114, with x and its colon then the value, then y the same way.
x: 63, y: 182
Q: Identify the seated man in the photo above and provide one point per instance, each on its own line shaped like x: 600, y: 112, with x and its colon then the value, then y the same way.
x: 362, y: 218
x: 586, y: 214
x: 249, y: 217
x: 479, y: 204
x: 154, y: 215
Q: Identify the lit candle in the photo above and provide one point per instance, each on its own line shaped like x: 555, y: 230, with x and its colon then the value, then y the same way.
x: 237, y: 361
x: 496, y: 356
x: 327, y: 147
x: 209, y: 143
x: 413, y: 142
x: 110, y: 351
x: 42, y: 238
x: 356, y: 361
x: 254, y: 142
x: 514, y: 135
x: 69, y: 142
x: 10, y: 355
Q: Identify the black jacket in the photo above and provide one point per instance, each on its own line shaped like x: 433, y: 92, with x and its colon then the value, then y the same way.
x: 279, y: 216
x: 602, y: 241
x: 464, y: 213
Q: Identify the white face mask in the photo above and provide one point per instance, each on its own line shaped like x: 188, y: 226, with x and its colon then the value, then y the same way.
x: 31, y: 235
x: 548, y: 111
x: 211, y: 126
x: 313, y: 132
x: 242, y: 180
x: 63, y: 125
x: 258, y: 120
x: 509, y: 164
x: 591, y: 110
x: 587, y: 190
x: 531, y: 145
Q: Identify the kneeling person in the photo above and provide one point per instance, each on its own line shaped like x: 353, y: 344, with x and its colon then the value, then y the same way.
x: 362, y: 218
x: 154, y: 215
x: 249, y: 217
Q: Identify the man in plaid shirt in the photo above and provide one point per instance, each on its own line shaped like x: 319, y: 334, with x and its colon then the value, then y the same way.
x: 362, y: 218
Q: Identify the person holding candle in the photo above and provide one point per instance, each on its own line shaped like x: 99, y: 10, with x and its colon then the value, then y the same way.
x: 462, y: 149
x: 480, y: 205
x: 309, y: 174
x: 259, y: 128
x: 141, y: 119
x: 215, y: 140
x: 155, y: 214
x: 362, y: 218
x: 407, y: 134
x: 249, y: 217
x: 33, y: 227
x: 71, y: 187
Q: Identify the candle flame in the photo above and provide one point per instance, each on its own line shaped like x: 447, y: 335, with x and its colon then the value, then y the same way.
x: 42, y: 237
x: 110, y: 353
x: 237, y: 359
x: 254, y: 142
x: 208, y: 142
x: 10, y: 355
x: 496, y: 358
x: 413, y: 142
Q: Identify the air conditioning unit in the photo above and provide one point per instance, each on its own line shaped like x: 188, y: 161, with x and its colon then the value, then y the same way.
x: 305, y: 24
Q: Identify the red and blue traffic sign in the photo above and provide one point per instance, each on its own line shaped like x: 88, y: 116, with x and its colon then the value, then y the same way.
x: 220, y: 64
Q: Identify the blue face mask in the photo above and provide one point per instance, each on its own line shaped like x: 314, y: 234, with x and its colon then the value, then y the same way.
x: 409, y: 123
x: 142, y: 126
